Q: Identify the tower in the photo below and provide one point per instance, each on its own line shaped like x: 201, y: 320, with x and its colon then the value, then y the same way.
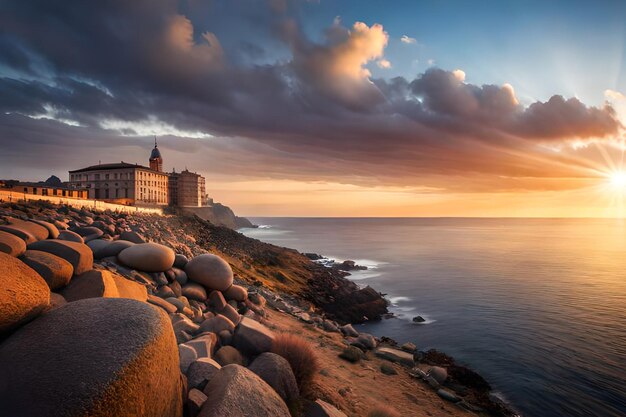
x: 156, y: 161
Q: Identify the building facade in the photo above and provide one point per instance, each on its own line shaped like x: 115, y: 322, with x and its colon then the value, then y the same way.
x: 134, y: 184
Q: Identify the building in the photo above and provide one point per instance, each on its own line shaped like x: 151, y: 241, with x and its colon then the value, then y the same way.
x: 43, y: 189
x: 133, y: 184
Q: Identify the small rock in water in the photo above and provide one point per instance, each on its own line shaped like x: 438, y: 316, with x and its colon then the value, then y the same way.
x: 418, y: 319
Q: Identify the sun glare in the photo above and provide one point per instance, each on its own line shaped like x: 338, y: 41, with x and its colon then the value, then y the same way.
x: 618, y: 179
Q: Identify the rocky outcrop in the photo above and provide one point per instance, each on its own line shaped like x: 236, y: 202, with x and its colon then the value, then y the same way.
x: 125, y: 350
x: 219, y: 215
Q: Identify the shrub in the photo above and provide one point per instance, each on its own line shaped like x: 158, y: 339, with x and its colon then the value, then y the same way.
x: 383, y: 411
x: 301, y: 356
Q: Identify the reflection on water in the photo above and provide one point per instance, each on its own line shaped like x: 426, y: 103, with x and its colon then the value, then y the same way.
x: 538, y: 306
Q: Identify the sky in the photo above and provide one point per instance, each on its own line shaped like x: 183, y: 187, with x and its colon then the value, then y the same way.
x: 329, y: 107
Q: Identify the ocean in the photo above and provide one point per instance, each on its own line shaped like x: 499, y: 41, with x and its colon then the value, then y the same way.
x: 536, y: 306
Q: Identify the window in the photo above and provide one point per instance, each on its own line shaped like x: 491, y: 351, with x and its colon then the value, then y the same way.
x: 97, y: 176
x: 106, y: 176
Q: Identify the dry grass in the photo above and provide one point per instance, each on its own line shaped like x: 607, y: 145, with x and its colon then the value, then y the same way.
x: 382, y: 410
x: 301, y: 356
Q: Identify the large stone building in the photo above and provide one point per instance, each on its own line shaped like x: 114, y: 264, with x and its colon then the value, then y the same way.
x: 134, y: 184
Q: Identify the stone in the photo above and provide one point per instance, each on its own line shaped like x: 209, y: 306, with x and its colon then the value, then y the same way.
x: 195, y: 401
x: 96, y: 244
x: 180, y: 261
x: 348, y: 330
x: 180, y: 322
x: 330, y: 327
x: 165, y: 292
x: 217, y: 301
x: 238, y: 392
x: 112, y: 249
x: 36, y: 230
x: 438, y: 373
x: 276, y: 371
x: 91, y: 284
x: 179, y: 275
x: 23, y: 294
x: 175, y: 301
x: 78, y: 254
x: 176, y: 288
x: 53, y: 231
x: 236, y: 292
x: 201, y: 371
x: 95, y: 357
x: 408, y: 347
x: 322, y: 409
x: 232, y: 314
x: 148, y: 257
x: 217, y: 324
x: 194, y: 291
x: 133, y: 237
x: 89, y: 231
x: 203, y: 345
x: 57, y: 272
x: 367, y: 340
x: 225, y: 337
x: 187, y: 356
x: 395, y: 355
x: 227, y: 355
x: 418, y: 319
x: 22, y: 234
x: 252, y: 338
x: 211, y: 271
x: 130, y: 289
x: 70, y: 236
x: 56, y: 301
x: 157, y: 301
x: 447, y: 395
x: 351, y: 354
x: 387, y: 369
x: 11, y: 244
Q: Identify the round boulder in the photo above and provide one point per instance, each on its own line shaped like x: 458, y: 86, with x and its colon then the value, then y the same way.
x: 236, y: 292
x: 111, y: 357
x: 194, y: 291
x: 148, y: 257
x: 132, y: 237
x: 112, y: 249
x: 276, y: 371
x: 11, y: 244
x: 211, y: 271
x: 70, y: 236
x: 23, y: 295
x: 57, y: 272
x: 78, y: 254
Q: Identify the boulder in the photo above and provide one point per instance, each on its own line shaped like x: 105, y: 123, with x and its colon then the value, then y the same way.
x: 133, y: 237
x: 148, y: 257
x: 227, y: 355
x: 211, y: 271
x: 408, y: 347
x: 179, y: 275
x: 367, y: 340
x: 276, y: 371
x: 238, y: 392
x: 395, y: 355
x: 112, y: 249
x: 53, y: 231
x: 23, y: 295
x: 351, y: 354
x: 11, y: 244
x: 36, y: 230
x: 195, y: 401
x: 56, y: 271
x: 252, y: 338
x: 70, y: 236
x: 448, y: 396
x: 232, y: 314
x: 186, y: 357
x: 78, y: 254
x: 157, y: 301
x: 203, y: 345
x: 89, y: 231
x: 96, y: 357
x: 91, y: 284
x: 96, y: 244
x: 322, y: 409
x: 348, y: 330
x: 194, y: 291
x: 22, y: 234
x: 236, y: 292
x: 130, y: 289
x: 180, y: 261
x: 438, y: 373
x: 217, y: 324
x: 217, y: 301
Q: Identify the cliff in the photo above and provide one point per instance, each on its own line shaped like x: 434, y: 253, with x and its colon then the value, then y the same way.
x: 218, y: 214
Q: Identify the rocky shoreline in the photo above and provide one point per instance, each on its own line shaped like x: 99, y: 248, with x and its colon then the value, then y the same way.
x: 107, y: 313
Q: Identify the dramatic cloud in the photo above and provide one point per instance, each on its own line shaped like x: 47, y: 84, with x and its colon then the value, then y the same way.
x: 81, y: 78
x: 408, y: 40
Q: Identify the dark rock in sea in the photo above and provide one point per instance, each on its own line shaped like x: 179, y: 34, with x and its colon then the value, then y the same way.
x: 313, y: 256
x: 349, y: 266
x: 418, y: 319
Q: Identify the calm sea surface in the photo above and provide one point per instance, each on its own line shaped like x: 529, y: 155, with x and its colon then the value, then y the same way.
x: 537, y: 306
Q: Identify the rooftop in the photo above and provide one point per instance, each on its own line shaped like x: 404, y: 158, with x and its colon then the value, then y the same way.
x: 119, y: 165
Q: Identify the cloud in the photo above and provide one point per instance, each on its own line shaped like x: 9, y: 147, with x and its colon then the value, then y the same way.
x: 408, y: 40
x: 614, y: 95
x: 383, y: 63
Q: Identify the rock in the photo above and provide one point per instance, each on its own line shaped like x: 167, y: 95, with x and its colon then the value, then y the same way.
x: 133, y: 237
x: 179, y: 275
x: 217, y: 301
x: 165, y: 292
x: 238, y: 392
x: 203, y: 345
x: 96, y: 357
x: 187, y: 355
x: 89, y: 231
x: 227, y: 355
x: 276, y: 371
x: 252, y: 338
x: 91, y: 284
x: 130, y: 289
x: 176, y: 288
x: 348, y: 330
x: 322, y: 409
x: 70, y: 236
x: 96, y: 244
x: 194, y: 291
x: 236, y: 292
x: 53, y: 231
x: 408, y: 347
x: 387, y: 369
x: 23, y: 295
x: 180, y: 261
x: 232, y: 314
x: 38, y: 231
x: 183, y: 323
x: 169, y: 308
x: 11, y: 244
x: 195, y: 401
x: 438, y: 373
x: 201, y: 371
x: 395, y: 355
x: 176, y: 302
x: 448, y: 396
x: 418, y: 319
x: 56, y: 301
x: 112, y: 249
x: 330, y: 327
x: 352, y: 354
x: 257, y: 299
x: 148, y: 257
x: 22, y: 234
x: 78, y: 254
x: 211, y: 271
x: 225, y: 337
x: 57, y: 272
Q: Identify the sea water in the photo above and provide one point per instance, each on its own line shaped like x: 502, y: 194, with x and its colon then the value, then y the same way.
x: 536, y: 306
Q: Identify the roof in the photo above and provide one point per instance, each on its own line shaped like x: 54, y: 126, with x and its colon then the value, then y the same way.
x: 155, y: 153
x: 119, y: 165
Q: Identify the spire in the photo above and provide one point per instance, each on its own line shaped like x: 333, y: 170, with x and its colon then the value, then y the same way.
x: 155, y: 142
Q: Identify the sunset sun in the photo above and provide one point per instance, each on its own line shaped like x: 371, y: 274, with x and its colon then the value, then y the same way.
x: 618, y: 179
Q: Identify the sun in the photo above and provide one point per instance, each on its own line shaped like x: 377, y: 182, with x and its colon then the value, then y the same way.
x: 618, y: 179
